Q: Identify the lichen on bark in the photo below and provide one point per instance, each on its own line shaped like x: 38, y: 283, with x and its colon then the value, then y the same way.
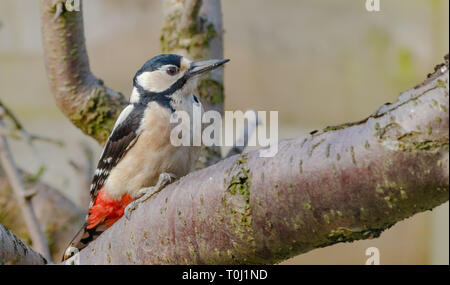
x: 82, y: 97
x: 97, y: 116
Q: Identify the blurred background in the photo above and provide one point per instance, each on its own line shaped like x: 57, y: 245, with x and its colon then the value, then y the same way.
x: 318, y: 63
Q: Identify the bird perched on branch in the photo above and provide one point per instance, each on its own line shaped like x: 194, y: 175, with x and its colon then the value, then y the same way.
x: 139, y: 159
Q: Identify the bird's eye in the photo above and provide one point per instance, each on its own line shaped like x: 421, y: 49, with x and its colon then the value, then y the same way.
x: 172, y: 70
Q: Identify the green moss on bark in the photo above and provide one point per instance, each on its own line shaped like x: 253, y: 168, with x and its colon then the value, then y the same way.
x: 194, y: 40
x: 210, y: 91
x: 98, y: 115
x: 239, y: 185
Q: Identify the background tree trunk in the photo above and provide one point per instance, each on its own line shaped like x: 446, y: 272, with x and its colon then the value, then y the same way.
x: 193, y: 28
x: 82, y: 97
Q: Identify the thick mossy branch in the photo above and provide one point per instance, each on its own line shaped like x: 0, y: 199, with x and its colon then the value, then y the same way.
x: 339, y: 185
x: 81, y: 96
x: 97, y: 116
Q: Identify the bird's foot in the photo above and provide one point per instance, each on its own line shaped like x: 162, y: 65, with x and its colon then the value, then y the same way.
x: 147, y: 192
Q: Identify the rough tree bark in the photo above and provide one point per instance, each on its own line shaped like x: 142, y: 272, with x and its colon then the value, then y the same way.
x: 341, y: 184
x: 82, y: 97
x: 14, y: 251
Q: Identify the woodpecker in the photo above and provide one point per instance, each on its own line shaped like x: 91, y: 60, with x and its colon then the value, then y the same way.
x: 138, y: 158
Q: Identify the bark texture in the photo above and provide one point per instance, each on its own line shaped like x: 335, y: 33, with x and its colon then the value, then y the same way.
x: 82, y: 97
x: 341, y: 184
x: 14, y: 251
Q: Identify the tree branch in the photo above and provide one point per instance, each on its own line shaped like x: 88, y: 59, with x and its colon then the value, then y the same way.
x: 82, y: 97
x: 60, y: 218
x: 14, y: 251
x: 345, y: 183
x: 18, y: 127
x: 23, y: 197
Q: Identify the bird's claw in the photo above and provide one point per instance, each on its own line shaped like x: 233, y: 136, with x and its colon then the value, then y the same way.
x: 147, y: 192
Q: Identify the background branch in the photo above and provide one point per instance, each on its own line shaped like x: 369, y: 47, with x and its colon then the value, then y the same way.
x: 18, y: 127
x: 82, y: 97
x: 23, y: 197
x: 59, y: 217
x: 345, y: 183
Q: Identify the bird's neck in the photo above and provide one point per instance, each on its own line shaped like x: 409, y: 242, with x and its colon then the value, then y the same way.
x: 179, y: 100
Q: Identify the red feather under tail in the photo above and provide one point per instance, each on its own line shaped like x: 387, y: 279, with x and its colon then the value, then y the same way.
x: 106, y: 209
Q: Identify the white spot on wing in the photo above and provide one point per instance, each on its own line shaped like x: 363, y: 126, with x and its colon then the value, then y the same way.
x: 124, y: 114
x: 135, y: 96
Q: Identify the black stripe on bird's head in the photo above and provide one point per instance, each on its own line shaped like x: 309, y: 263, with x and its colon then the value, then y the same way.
x: 165, y: 74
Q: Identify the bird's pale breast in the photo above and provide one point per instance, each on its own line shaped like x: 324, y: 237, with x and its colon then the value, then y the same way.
x: 151, y: 155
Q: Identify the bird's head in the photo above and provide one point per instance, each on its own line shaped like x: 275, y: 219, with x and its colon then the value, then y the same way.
x: 167, y: 74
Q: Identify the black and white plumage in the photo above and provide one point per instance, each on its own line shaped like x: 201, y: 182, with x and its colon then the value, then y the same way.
x: 123, y: 136
x: 138, y: 150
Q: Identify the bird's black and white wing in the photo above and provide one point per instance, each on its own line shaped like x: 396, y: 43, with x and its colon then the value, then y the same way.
x: 124, y: 135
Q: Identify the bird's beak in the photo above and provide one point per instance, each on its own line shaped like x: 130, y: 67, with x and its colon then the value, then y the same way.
x: 199, y: 67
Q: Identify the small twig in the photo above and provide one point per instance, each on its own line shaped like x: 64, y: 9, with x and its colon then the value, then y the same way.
x: 20, y: 131
x: 34, y: 177
x: 56, y: 142
x: 7, y: 133
x: 4, y: 110
x: 23, y: 197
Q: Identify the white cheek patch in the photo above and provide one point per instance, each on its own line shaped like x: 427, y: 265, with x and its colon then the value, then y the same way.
x: 156, y: 81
